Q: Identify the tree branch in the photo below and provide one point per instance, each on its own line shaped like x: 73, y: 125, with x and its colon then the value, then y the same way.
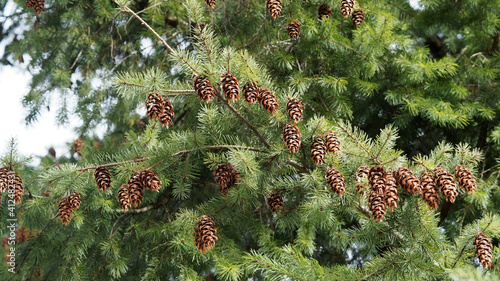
x: 378, y: 271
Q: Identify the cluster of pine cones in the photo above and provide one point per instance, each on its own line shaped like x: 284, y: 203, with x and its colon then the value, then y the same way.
x: 67, y: 205
x: 225, y: 177
x: 159, y: 109
x: 15, y: 181
x: 132, y: 193
x: 37, y: 5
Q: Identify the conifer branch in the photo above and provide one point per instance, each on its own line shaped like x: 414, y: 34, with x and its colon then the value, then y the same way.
x: 359, y: 143
x: 377, y: 271
x: 128, y: 10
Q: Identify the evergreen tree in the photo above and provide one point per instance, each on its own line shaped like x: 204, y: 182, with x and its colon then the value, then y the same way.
x: 252, y: 140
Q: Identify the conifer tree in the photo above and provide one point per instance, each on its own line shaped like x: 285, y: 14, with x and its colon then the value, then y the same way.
x: 191, y: 182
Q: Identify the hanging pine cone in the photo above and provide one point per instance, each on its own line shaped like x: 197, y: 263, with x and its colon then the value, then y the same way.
x: 408, y: 180
x: 377, y: 205
x: 376, y: 179
x: 150, y: 180
x: 4, y: 179
x: 65, y: 210
x: 203, y: 88
x: 291, y: 135
x: 294, y: 110
x: 167, y: 116
x: 335, y: 180
x: 293, y: 29
x: 123, y: 197
x: 465, y: 179
x: 18, y: 188
x: 483, y: 247
x: 346, y: 7
x: 324, y: 11
x: 268, y: 100
x: 77, y: 146
x: 205, y: 234
x: 251, y: 93
x: 275, y: 201
x: 135, y: 189
x: 318, y: 151
x: 38, y: 7
x: 274, y: 8
x: 362, y: 173
x: 230, y: 87
x: 391, y: 195
x: 358, y: 17
x: 429, y: 190
x: 102, y: 178
x: 332, y: 141
x: 445, y: 183
x: 211, y: 3
x: 154, y: 106
x: 31, y: 3
x: 22, y: 234
x: 74, y: 200
x: 225, y: 177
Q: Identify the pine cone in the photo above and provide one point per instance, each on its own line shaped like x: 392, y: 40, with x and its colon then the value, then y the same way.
x: 332, y: 141
x: 211, y: 3
x: 74, y: 200
x: 77, y: 146
x: 135, y: 189
x: 230, y: 87
x: 429, y: 190
x: 391, y: 195
x: 205, y: 234
x: 465, y: 179
x: 123, y: 197
x: 291, y: 135
x: 4, y: 179
x: 377, y: 206
x: 150, y: 180
x: 102, y: 178
x: 274, y: 8
x: 275, y: 201
x: 18, y: 188
x: 22, y: 234
x: 346, y: 7
x: 203, y: 88
x: 376, y: 179
x: 38, y: 7
x: 31, y: 3
x: 294, y: 110
x: 268, y: 100
x: 251, y: 93
x: 225, y: 177
x: 65, y: 210
x: 335, y: 180
x: 408, y: 180
x: 358, y: 17
x: 483, y: 247
x: 167, y: 116
x: 293, y: 29
x: 444, y: 181
x: 318, y: 151
x: 154, y: 106
x: 362, y: 173
x: 324, y: 11
x: 360, y: 186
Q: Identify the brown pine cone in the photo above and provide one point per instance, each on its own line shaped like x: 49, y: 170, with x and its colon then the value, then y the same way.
x: 465, y: 179
x: 291, y: 135
x: 74, y: 200
x: 154, y: 106
x: 102, y: 178
x: 362, y: 173
x: 150, y: 180
x: 376, y: 179
x: 346, y: 7
x: 211, y: 3
x: 135, y: 189
x: 429, y: 190
x: 203, y: 88
x: 332, y: 141
x: 123, y: 197
x: 40, y: 4
x: 444, y: 181
x: 324, y: 11
x: 4, y: 179
x: 18, y: 188
x: 274, y: 8
x: 250, y: 93
x: 408, y: 180
x: 293, y: 29
x: 483, y: 248
x: 358, y: 17
x: 335, y: 180
x: 22, y: 234
x: 225, y: 177
x: 268, y: 100
x: 294, y: 110
x: 167, y: 116
x: 77, y: 146
x: 391, y: 195
x: 230, y: 87
x: 318, y: 151
x: 205, y: 234
x: 377, y: 205
x: 65, y: 210
x: 275, y: 201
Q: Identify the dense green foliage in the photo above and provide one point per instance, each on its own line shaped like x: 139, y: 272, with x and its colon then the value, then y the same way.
x: 415, y: 87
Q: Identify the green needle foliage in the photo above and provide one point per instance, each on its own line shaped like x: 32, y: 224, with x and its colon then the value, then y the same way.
x: 416, y: 85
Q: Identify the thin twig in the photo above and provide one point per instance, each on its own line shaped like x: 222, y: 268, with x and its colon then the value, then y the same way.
x: 377, y: 271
